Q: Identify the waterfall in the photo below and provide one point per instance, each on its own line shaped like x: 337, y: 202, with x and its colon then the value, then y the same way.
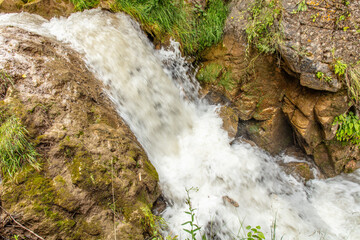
x: 183, y: 138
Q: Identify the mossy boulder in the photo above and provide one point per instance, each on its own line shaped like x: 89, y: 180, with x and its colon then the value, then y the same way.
x: 95, y: 178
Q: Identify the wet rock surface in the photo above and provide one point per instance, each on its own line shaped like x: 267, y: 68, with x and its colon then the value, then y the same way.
x: 279, y: 99
x: 93, y: 168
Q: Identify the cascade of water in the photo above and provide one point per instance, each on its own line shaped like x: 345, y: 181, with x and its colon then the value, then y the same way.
x: 183, y: 138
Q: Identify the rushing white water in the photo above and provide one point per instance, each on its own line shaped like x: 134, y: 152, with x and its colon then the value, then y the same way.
x: 183, y: 138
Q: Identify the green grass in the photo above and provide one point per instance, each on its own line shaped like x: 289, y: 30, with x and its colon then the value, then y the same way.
x: 81, y: 5
x: 352, y: 80
x: 5, y: 82
x: 194, y: 28
x: 15, y: 148
x: 262, y: 33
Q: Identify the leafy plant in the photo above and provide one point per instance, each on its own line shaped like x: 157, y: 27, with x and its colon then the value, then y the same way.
x: 261, y: 31
x: 349, y: 128
x: 302, y: 7
x: 193, y: 227
x: 254, y: 233
x: 314, y: 16
x: 81, y: 5
x: 340, y: 67
x: 341, y: 18
x: 15, y: 148
x: 153, y: 224
x: 322, y: 76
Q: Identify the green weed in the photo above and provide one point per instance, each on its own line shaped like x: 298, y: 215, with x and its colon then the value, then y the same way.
x: 301, y: 7
x: 352, y: 80
x: 81, y: 5
x: 153, y: 224
x: 340, y: 68
x: 193, y: 227
x: 323, y: 77
x: 261, y: 30
x: 15, y: 148
x: 349, y: 128
x: 5, y: 82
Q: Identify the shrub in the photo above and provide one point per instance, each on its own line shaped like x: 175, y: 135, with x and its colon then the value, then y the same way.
x: 15, y: 148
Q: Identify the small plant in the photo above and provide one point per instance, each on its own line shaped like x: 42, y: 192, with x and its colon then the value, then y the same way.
x: 254, y: 233
x: 314, y: 16
x: 261, y: 29
x: 352, y: 80
x: 193, y: 228
x: 153, y: 224
x: 81, y: 5
x: 5, y: 82
x: 349, y: 128
x: 341, y: 18
x: 302, y: 7
x: 323, y: 77
x: 15, y: 148
x: 340, y: 68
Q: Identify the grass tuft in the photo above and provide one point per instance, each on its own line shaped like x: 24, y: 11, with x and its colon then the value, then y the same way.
x: 81, y: 5
x: 15, y: 148
x: 262, y: 32
x: 196, y: 29
x: 352, y: 80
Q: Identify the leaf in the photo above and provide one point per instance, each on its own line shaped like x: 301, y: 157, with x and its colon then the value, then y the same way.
x: 261, y: 235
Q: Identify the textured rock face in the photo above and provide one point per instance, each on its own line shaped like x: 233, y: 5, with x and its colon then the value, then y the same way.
x: 92, y: 166
x: 44, y: 8
x: 274, y: 93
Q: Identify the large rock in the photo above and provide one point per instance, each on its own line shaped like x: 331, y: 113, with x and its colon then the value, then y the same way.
x: 273, y: 92
x: 44, y: 8
x: 95, y: 179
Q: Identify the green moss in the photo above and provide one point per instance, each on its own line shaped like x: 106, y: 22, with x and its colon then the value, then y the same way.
x: 150, y: 169
x: 216, y: 73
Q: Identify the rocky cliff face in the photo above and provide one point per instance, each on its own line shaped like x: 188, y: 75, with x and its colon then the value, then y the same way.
x: 284, y: 97
x: 95, y: 180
